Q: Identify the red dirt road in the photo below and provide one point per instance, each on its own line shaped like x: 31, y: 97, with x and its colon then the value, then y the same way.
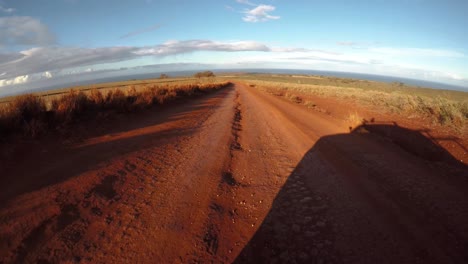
x: 237, y: 176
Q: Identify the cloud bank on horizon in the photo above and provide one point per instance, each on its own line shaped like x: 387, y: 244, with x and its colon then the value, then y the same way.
x: 84, y: 36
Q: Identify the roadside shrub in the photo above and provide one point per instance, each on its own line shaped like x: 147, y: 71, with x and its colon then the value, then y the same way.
x: 26, y: 108
x: 164, y: 95
x: 117, y: 100
x: 70, y: 106
x: 3, y: 115
x: 293, y: 98
x: 448, y: 112
x: 28, y: 115
x: 145, y: 99
x: 97, y: 99
x: 464, y: 109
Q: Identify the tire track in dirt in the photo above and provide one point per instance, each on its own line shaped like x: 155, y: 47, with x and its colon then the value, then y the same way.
x: 222, y: 207
x: 243, y: 177
x: 105, y: 212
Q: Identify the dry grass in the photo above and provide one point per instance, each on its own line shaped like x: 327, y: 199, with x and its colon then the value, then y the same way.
x: 29, y: 115
x: 25, y: 115
x: 354, y: 120
x: 439, y: 109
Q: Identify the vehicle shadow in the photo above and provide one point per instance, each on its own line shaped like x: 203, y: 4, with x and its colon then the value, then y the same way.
x: 302, y: 225
x: 38, y: 164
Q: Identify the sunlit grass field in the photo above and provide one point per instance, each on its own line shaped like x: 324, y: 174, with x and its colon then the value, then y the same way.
x: 445, y: 107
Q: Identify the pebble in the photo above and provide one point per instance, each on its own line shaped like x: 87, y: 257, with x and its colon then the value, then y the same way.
x: 320, y: 224
x: 306, y: 199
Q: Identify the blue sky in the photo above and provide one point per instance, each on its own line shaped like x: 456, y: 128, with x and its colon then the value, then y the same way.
x: 49, y: 39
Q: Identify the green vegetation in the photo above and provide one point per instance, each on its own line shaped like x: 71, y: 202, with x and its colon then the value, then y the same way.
x: 32, y: 115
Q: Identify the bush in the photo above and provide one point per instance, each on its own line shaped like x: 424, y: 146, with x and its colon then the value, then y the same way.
x: 204, y: 74
x: 28, y: 115
x: 97, y: 99
x: 117, y: 100
x: 26, y: 108
x: 70, y: 106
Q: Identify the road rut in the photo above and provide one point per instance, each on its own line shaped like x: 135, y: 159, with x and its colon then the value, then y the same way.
x: 236, y: 176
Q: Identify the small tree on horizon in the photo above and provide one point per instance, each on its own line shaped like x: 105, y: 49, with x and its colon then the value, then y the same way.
x: 163, y: 76
x: 204, y: 74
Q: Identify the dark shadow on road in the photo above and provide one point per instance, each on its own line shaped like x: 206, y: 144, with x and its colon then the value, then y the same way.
x: 308, y: 220
x: 23, y: 170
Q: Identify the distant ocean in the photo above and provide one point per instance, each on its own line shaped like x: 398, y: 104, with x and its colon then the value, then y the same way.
x: 79, y: 81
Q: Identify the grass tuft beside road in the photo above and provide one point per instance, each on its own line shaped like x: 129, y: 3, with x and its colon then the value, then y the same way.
x: 32, y: 115
x: 449, y: 108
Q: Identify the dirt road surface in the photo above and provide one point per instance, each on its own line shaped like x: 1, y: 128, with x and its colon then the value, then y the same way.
x: 236, y: 176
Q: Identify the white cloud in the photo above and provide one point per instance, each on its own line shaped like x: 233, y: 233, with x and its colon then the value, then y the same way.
x: 309, y: 56
x: 52, y: 62
x: 24, y: 30
x: 46, y: 59
x: 50, y: 58
x: 296, y: 50
x: 455, y: 76
x: 359, y: 62
x: 47, y: 75
x: 7, y: 10
x: 417, y: 52
x: 260, y: 14
x: 179, y: 47
x: 438, y: 75
x: 17, y: 80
